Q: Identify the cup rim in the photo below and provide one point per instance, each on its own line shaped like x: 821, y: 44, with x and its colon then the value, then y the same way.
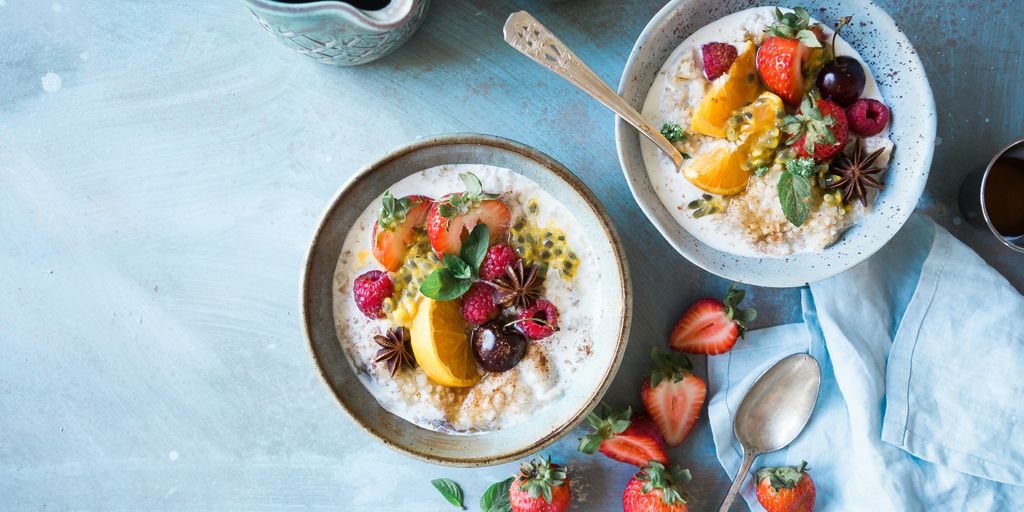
x: 984, y: 180
x: 338, y: 6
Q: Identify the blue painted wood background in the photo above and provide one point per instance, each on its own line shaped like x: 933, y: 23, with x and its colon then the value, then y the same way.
x: 163, y: 164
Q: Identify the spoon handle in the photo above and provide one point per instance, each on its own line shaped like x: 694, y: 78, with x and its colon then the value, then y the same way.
x: 524, y: 33
x: 748, y: 460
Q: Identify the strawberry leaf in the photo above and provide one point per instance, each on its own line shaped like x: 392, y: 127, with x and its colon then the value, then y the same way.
x: 450, y: 490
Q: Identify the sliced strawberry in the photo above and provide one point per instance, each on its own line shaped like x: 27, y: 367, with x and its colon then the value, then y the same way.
x: 396, y: 227
x: 447, y: 233
x: 673, y: 395
x: 623, y: 436
x: 710, y: 326
x: 779, y: 62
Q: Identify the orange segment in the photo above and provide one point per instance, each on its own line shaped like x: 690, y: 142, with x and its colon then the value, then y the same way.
x: 441, y: 346
x: 725, y: 169
x: 736, y: 89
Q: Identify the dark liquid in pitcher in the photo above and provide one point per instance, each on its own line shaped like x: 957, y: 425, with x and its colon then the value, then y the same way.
x: 1004, y: 196
x: 366, y: 5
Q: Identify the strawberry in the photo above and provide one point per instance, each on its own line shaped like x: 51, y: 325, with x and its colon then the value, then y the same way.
x: 452, y: 218
x: 779, y: 62
x: 819, y: 130
x: 540, y: 487
x: 710, y: 326
x: 656, y: 489
x: 717, y: 58
x: 396, y: 227
x: 785, y: 489
x: 673, y: 395
x: 623, y: 436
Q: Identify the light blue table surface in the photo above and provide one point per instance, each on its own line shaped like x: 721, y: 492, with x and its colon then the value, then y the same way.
x: 163, y: 164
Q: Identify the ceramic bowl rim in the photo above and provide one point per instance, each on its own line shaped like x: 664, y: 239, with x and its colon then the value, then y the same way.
x: 618, y: 255
x: 623, y: 130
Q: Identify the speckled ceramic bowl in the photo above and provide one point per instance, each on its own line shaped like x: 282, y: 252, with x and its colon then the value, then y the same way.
x: 549, y: 423
x: 903, y: 84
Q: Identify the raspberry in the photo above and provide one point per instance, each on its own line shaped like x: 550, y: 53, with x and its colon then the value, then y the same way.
x: 478, y: 303
x: 867, y: 117
x: 545, y: 312
x: 717, y: 58
x: 370, y: 290
x: 498, y: 257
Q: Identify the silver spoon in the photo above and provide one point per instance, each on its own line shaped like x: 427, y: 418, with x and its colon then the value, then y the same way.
x: 774, y: 412
x: 524, y: 33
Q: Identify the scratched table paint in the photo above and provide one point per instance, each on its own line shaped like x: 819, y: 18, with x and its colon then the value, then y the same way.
x: 162, y: 165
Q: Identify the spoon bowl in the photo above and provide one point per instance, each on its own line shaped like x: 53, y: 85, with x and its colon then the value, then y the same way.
x: 774, y: 411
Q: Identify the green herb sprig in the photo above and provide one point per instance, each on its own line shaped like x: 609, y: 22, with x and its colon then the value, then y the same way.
x: 795, y: 189
x: 450, y: 490
x: 457, y: 272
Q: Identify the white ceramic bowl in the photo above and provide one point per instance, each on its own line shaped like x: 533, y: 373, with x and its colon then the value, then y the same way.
x: 903, y: 84
x: 549, y: 422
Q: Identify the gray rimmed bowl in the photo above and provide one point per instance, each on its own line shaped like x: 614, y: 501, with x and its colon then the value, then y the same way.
x: 549, y: 423
x: 902, y: 81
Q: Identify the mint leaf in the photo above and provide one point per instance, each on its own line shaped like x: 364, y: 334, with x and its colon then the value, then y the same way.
x: 795, y: 197
x: 474, y: 249
x: 450, y: 490
x: 458, y: 268
x: 496, y: 497
x: 442, y: 285
x: 802, y: 167
x: 762, y: 170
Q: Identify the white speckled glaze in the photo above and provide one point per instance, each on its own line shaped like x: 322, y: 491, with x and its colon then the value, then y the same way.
x: 901, y: 80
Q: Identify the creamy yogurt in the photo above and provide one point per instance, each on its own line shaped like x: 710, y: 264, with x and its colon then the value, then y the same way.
x: 499, y: 400
x: 677, y: 90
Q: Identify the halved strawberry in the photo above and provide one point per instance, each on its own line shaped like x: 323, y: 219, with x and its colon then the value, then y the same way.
x: 396, y: 227
x: 780, y: 64
x: 624, y: 436
x: 673, y: 395
x: 710, y: 326
x: 453, y: 217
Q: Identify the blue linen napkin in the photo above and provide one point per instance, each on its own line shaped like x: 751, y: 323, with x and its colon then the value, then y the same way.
x: 921, y: 405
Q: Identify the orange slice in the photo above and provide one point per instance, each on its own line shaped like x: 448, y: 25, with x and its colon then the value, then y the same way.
x: 441, y: 346
x: 736, y: 89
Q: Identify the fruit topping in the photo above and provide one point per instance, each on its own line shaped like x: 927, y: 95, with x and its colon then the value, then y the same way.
x: 538, y: 321
x: 395, y: 229
x: 780, y: 64
x: 673, y: 395
x: 718, y: 57
x: 856, y: 173
x: 738, y: 89
x: 842, y: 80
x: 451, y: 219
x: 478, y: 303
x: 540, y: 487
x: 498, y: 348
x: 656, y: 488
x: 441, y: 346
x: 818, y: 130
x: 785, y: 489
x: 796, y: 24
x: 456, y: 275
x: 395, y: 350
x: 547, y: 245
x: 711, y: 326
x: 369, y: 291
x: 867, y: 117
x: 623, y: 436
x: 520, y: 286
x: 724, y: 170
x: 704, y: 205
x: 498, y: 257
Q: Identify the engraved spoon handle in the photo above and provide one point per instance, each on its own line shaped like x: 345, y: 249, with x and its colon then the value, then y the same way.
x: 748, y: 460
x: 524, y: 33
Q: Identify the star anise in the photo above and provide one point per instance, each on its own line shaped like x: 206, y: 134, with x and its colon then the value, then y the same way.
x: 520, y: 286
x: 395, y: 351
x: 856, y: 173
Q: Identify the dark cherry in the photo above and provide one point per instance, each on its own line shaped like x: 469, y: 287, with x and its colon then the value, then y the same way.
x: 842, y: 81
x: 496, y: 348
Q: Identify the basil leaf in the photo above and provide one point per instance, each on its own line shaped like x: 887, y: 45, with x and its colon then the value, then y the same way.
x: 795, y: 197
x: 475, y: 247
x: 496, y: 497
x: 442, y: 285
x: 450, y: 490
x: 458, y: 268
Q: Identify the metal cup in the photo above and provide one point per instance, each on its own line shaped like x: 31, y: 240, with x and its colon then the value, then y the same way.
x: 972, y: 197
